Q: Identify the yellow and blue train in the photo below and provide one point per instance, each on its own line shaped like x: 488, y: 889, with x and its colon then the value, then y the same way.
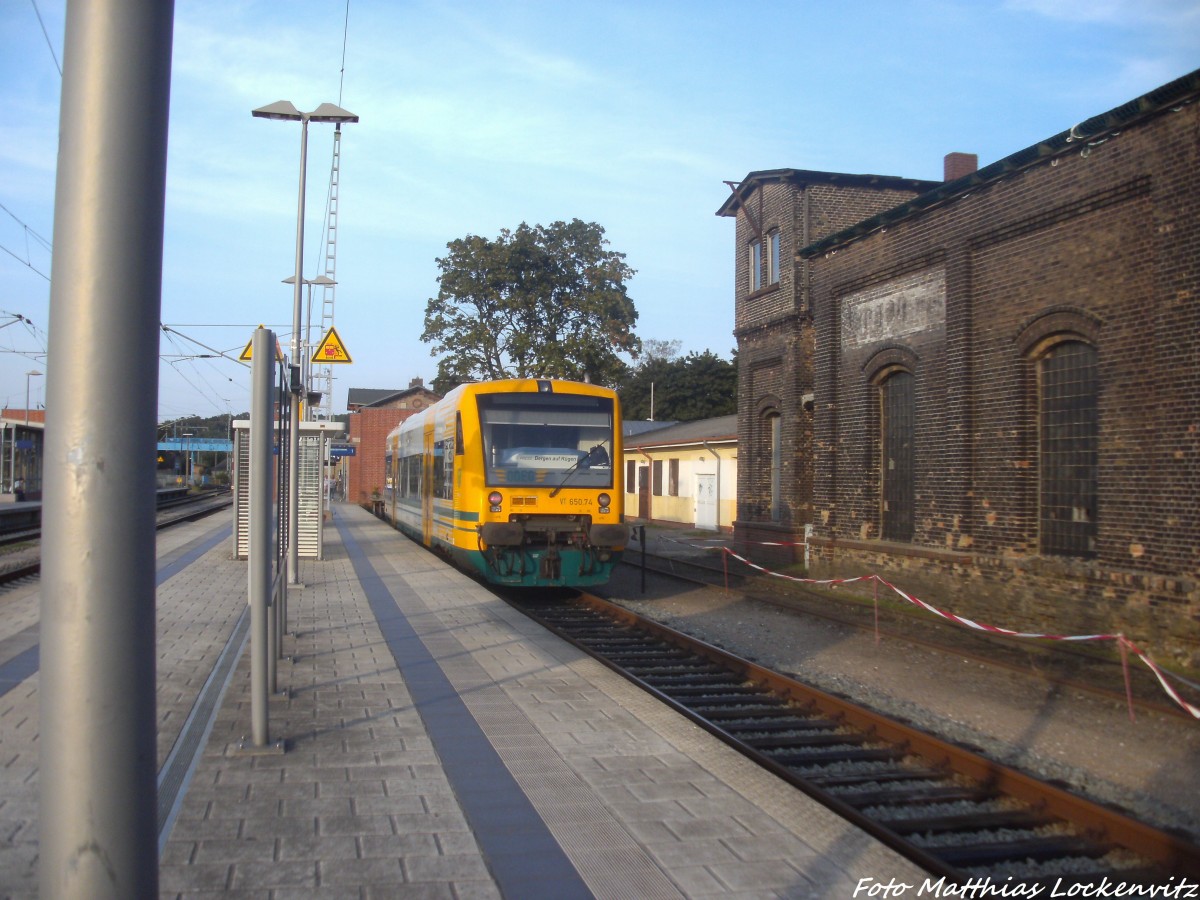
x: 517, y: 480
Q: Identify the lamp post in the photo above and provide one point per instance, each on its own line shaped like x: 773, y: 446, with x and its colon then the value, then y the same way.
x: 324, y: 281
x: 285, y: 110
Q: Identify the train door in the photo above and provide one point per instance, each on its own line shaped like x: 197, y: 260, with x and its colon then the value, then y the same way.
x: 427, y: 464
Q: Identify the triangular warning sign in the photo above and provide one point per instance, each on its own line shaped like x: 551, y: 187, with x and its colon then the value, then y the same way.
x: 331, y: 349
x: 248, y: 353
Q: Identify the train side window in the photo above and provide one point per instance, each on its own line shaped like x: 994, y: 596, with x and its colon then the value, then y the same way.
x: 414, y: 476
x: 443, y: 470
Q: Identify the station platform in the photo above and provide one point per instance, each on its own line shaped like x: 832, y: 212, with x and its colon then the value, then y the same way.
x: 428, y: 741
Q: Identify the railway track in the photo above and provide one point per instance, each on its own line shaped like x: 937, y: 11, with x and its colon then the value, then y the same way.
x: 23, y: 560
x: 1079, y: 668
x: 951, y: 811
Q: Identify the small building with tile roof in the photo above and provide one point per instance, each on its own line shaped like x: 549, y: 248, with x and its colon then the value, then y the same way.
x: 684, y: 473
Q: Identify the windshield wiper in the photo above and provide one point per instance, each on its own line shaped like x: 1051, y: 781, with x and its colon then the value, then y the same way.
x: 597, y: 454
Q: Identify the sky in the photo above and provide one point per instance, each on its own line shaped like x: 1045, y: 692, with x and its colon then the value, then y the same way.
x: 478, y: 116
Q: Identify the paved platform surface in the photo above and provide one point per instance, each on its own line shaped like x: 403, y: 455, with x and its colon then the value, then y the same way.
x: 435, y: 743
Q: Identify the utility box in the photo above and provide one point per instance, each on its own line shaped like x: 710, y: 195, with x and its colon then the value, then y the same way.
x: 315, y: 439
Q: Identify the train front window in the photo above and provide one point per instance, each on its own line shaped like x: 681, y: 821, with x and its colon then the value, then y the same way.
x: 545, y: 439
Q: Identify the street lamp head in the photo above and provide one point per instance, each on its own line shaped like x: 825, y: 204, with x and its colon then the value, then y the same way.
x: 280, y: 109
x: 324, y: 280
x: 33, y: 372
x: 286, y: 110
x: 327, y: 112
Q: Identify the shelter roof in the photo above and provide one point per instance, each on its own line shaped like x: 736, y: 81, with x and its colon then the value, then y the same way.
x: 721, y: 428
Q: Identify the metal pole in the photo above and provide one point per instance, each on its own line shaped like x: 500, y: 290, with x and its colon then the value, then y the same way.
x: 97, y: 731
x: 261, y: 554
x: 293, y: 564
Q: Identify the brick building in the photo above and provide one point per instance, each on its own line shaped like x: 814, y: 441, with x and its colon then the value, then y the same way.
x: 778, y: 212
x: 373, y: 414
x: 988, y: 390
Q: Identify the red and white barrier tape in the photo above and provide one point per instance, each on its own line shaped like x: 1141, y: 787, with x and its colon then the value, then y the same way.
x: 1123, y: 642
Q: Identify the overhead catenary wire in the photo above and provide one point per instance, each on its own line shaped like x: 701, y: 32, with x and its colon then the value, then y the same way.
x: 37, y: 12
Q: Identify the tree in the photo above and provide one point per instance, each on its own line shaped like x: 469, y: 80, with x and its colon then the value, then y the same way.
x: 538, y: 302
x: 698, y: 386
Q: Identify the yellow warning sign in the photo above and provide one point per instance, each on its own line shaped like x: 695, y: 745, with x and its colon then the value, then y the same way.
x: 331, y: 349
x: 247, y: 354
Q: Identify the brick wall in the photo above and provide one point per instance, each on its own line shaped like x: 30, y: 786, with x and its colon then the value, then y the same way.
x: 1102, y: 243
x: 369, y: 428
x: 775, y: 335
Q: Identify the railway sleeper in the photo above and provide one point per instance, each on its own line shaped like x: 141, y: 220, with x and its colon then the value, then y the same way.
x: 780, y: 729
x: 723, y: 689
x: 668, y: 682
x: 931, y: 793
x: 696, y: 669
x: 639, y: 654
x: 745, y: 712
x: 813, y: 739
x: 1010, y: 818
x: 850, y: 782
x: 740, y: 699
x: 1038, y: 849
x: 731, y: 700
x: 839, y: 755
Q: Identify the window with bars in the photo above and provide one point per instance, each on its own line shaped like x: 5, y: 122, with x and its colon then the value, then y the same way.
x: 898, y: 421
x: 774, y: 424
x: 1068, y: 449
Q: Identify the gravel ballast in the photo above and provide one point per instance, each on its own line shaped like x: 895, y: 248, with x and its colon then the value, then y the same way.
x: 1081, y: 741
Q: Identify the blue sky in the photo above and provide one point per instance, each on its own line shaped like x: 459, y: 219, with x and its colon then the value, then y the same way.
x: 479, y: 116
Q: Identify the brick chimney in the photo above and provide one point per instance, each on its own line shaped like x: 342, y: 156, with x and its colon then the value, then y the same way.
x: 958, y: 165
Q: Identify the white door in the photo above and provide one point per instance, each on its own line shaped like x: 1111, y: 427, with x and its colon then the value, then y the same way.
x: 706, y: 502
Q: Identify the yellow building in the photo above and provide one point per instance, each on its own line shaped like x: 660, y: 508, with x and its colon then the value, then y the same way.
x: 684, y: 473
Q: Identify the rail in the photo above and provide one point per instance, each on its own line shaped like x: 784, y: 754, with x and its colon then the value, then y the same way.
x: 951, y: 811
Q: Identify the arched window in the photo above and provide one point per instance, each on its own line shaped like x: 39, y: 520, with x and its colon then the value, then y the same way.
x: 775, y: 451
x: 1068, y: 449
x: 897, y: 423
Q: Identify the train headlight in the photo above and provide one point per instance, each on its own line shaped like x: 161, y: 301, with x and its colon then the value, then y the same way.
x: 494, y: 500
x: 604, y: 500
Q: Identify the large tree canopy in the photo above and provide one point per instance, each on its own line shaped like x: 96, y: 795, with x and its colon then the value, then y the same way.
x: 698, y: 386
x: 538, y: 302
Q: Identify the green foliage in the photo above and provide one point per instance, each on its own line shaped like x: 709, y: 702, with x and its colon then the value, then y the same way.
x: 538, y: 302
x: 698, y: 386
